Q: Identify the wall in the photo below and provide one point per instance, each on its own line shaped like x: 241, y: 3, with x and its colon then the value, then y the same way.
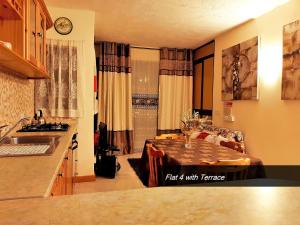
x: 83, y: 30
x: 271, y: 126
x: 16, y: 98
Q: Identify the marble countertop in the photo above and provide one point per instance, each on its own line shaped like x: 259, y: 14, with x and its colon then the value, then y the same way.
x: 163, y: 205
x: 33, y: 176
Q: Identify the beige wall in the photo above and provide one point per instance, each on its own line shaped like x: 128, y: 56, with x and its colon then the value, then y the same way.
x: 83, y: 30
x: 271, y: 125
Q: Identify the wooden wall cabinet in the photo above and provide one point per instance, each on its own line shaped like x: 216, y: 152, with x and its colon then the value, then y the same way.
x: 36, y: 33
x: 11, y: 9
x: 23, y: 23
x: 12, y: 26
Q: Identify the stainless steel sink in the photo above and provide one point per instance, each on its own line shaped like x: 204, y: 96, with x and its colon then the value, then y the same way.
x: 28, y: 145
x: 31, y: 140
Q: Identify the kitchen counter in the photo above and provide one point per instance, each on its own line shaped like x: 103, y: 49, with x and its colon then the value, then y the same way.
x: 163, y: 205
x: 33, y: 176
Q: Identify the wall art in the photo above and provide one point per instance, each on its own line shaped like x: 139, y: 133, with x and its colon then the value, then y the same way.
x: 291, y: 62
x: 239, y: 71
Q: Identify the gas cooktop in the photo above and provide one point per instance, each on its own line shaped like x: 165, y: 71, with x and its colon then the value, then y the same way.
x: 48, y: 127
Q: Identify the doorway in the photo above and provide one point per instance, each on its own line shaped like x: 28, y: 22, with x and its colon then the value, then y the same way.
x: 203, y: 63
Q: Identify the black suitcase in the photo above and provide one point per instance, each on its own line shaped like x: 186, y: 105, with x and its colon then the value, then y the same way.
x: 106, y: 166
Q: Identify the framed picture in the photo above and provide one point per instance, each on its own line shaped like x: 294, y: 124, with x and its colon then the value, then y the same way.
x: 239, y: 71
x: 291, y: 62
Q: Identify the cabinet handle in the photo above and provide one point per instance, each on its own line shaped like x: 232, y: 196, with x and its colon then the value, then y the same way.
x: 61, y: 174
x: 74, y: 145
x: 40, y: 34
x: 66, y: 158
x: 34, y: 34
x: 74, y: 136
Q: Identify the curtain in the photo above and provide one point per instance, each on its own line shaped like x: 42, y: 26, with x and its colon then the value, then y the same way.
x: 115, y: 103
x: 59, y: 96
x: 175, y: 88
x: 145, y: 67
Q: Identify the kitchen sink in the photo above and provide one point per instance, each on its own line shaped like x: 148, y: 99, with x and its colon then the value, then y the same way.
x: 31, y: 140
x: 28, y: 145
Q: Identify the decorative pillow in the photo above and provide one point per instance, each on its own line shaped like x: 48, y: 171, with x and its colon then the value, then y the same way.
x: 195, y: 134
x: 234, y: 145
x: 215, y: 139
x: 239, y: 137
x: 231, y: 135
x: 211, y: 138
x: 202, y: 135
x: 220, y: 139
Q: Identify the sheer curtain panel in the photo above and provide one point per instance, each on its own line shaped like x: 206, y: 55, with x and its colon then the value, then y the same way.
x: 145, y: 67
x: 60, y: 95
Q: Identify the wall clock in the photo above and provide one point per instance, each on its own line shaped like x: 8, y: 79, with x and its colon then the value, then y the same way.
x: 63, y: 25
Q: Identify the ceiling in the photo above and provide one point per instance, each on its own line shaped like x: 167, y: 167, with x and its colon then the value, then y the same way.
x: 167, y: 23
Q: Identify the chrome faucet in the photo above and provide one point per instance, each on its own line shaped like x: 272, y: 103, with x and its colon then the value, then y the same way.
x: 2, y: 127
x: 22, y: 120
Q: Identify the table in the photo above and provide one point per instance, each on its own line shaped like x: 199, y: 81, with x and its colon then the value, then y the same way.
x: 182, y: 160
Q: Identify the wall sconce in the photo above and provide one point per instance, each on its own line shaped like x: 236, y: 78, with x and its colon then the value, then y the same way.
x: 228, y: 111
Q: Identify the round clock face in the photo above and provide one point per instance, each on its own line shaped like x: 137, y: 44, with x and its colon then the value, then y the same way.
x: 63, y: 25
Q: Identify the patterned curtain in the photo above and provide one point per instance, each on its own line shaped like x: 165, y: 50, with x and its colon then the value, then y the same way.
x: 145, y: 67
x: 115, y: 103
x: 175, y: 88
x: 58, y: 96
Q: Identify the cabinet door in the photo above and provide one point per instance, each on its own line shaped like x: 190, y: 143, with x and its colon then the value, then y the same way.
x: 69, y: 172
x: 33, y: 31
x: 62, y: 176
x: 41, y: 41
x: 54, y: 188
x: 59, y: 185
x: 63, y: 184
x: 55, y: 191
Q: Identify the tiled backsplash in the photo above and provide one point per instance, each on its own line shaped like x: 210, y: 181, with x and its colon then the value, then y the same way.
x: 16, y: 98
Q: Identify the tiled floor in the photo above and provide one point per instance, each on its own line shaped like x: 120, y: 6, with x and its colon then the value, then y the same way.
x: 125, y: 179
